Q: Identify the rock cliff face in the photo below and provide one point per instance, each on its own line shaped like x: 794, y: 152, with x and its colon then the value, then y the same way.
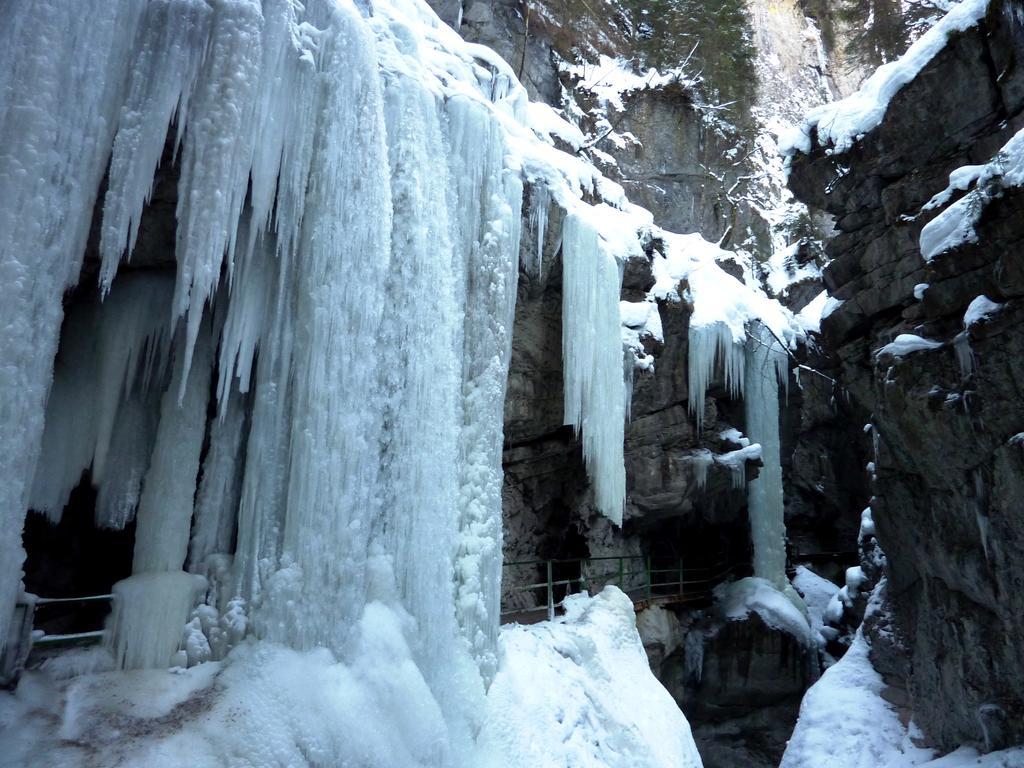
x: 946, y: 419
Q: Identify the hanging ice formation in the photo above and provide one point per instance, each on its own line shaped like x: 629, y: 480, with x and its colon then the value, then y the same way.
x: 593, y: 360
x: 767, y: 364
x: 710, y: 344
x: 347, y: 245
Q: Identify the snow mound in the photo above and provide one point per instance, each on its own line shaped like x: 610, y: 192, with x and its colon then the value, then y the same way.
x: 907, y: 343
x: 818, y: 593
x: 981, y: 308
x: 840, y: 124
x: 579, y: 692
x: 736, y: 600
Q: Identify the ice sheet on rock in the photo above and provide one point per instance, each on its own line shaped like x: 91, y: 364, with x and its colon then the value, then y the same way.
x: 579, y: 691
x: 838, y: 125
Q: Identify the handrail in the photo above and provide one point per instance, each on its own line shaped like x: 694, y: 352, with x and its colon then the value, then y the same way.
x: 645, y: 586
x: 72, y: 638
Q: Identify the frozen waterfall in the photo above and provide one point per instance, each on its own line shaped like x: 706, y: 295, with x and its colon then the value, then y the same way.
x: 347, y: 246
x: 766, y: 365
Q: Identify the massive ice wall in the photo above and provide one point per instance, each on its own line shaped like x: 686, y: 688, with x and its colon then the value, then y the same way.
x: 347, y: 247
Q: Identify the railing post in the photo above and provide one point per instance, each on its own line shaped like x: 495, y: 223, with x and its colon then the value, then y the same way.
x: 622, y: 575
x: 681, y: 577
x: 648, y: 577
x: 551, y: 594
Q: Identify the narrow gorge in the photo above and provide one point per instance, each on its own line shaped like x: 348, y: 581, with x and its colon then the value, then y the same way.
x: 493, y: 383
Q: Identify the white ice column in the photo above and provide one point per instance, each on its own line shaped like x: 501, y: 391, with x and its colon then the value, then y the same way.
x: 766, y: 364
x: 487, y: 200
x: 152, y: 605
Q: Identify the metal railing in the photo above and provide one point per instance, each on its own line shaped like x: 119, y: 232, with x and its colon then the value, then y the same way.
x: 646, y: 580
x: 71, y: 638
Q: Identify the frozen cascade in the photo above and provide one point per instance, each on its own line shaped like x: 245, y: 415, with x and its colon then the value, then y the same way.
x: 592, y: 351
x: 487, y: 235
x: 61, y: 82
x: 767, y: 364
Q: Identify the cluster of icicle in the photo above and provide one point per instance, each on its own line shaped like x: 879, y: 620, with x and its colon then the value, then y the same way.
x: 595, y: 402
x: 347, y: 245
x: 752, y: 370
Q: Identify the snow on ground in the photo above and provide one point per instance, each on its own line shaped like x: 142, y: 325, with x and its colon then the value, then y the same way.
x: 264, y: 705
x: 578, y: 693
x: 840, y: 124
x: 818, y: 593
x: 845, y: 723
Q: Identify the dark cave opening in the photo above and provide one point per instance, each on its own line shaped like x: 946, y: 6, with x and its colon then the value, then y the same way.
x: 74, y: 558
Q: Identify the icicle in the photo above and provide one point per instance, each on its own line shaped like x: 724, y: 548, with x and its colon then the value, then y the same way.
x: 163, y: 75
x: 702, y: 459
x: 218, y: 150
x: 131, y: 445
x: 216, y: 505
x: 964, y: 354
x: 540, y: 201
x: 61, y: 81
x: 708, y: 344
x: 165, y: 509
x: 592, y: 352
x: 108, y: 350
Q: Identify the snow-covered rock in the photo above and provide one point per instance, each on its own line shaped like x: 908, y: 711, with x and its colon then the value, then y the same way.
x: 578, y: 691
